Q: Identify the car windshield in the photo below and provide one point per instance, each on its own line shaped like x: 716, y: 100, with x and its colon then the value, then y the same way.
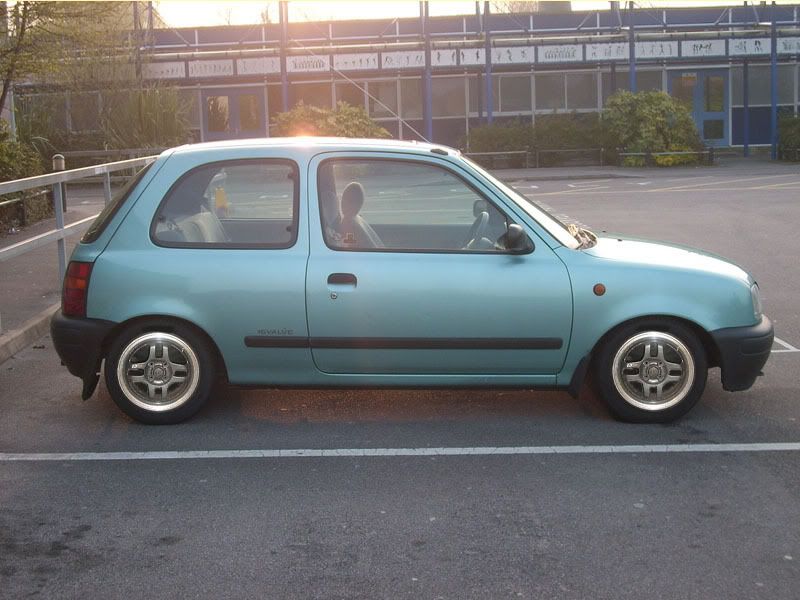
x: 554, y: 227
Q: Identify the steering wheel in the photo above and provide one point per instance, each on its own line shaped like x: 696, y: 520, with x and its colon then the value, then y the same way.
x: 478, y: 230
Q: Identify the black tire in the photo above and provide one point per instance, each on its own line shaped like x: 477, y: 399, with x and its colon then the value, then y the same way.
x: 184, y: 360
x: 626, y: 394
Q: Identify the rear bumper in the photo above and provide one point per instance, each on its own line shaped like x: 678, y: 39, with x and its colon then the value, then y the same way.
x: 79, y: 344
x: 743, y: 351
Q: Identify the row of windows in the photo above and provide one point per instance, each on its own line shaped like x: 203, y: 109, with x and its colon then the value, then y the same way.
x: 452, y: 96
x: 365, y: 204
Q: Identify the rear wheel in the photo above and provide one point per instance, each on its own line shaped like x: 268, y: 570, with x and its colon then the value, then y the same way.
x: 160, y: 374
x: 652, y: 372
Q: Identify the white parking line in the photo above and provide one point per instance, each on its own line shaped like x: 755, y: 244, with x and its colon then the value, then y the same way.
x: 393, y: 452
x: 787, y: 347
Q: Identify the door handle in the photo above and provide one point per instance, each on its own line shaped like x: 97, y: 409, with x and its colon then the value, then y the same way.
x: 342, y: 279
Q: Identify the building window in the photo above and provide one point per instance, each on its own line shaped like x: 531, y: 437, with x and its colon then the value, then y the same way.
x: 274, y: 101
x: 311, y: 94
x: 189, y: 99
x: 515, y: 93
x: 759, y: 85
x: 646, y: 81
x: 411, y: 98
x: 218, y: 114
x: 477, y: 94
x: 581, y: 90
x: 350, y: 93
x: 550, y: 91
x: 42, y: 108
x: 447, y: 97
x: 383, y: 98
x: 84, y: 111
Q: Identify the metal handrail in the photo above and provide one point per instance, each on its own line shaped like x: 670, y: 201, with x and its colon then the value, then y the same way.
x: 20, y: 185
x: 56, y: 180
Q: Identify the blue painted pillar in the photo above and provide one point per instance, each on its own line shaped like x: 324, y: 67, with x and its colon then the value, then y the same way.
x: 773, y: 85
x: 746, y: 106
x: 488, y: 78
x: 631, y: 50
x: 283, y: 17
x: 427, y: 100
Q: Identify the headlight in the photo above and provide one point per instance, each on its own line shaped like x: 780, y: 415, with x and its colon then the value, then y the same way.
x: 755, y: 294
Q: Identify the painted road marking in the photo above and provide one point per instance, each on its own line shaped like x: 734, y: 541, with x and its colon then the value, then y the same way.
x: 775, y: 186
x: 587, y: 183
x: 787, y: 347
x: 392, y: 452
x: 725, y: 181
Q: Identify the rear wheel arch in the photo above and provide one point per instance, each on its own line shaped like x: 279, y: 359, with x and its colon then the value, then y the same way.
x: 165, y: 323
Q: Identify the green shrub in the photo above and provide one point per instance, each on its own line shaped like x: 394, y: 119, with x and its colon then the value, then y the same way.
x: 517, y: 135
x: 567, y: 131
x: 650, y: 122
x: 343, y: 121
x: 789, y: 137
x: 18, y: 160
x: 148, y: 117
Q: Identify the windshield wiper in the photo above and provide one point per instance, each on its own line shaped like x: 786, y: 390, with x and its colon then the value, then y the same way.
x: 585, y: 238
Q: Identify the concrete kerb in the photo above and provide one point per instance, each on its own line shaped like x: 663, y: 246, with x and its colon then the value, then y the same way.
x: 31, y: 330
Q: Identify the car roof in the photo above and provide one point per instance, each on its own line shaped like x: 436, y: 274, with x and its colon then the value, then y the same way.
x: 316, y: 144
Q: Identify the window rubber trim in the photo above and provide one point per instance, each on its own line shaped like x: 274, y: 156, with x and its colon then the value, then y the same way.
x: 421, y: 161
x: 233, y: 245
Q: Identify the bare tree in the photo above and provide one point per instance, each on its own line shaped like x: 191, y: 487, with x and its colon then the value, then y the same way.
x: 45, y: 39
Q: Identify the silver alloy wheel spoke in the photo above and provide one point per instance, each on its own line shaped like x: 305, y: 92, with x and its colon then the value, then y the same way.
x: 653, y: 370
x: 157, y: 382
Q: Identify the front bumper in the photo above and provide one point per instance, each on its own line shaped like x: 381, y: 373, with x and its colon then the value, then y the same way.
x: 743, y: 351
x: 79, y: 343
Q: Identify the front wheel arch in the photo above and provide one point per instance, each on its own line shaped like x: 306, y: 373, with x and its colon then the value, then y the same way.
x: 625, y: 407
x: 648, y: 321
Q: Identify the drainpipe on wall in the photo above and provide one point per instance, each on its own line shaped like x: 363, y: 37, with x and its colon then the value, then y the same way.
x: 488, y: 77
x: 773, y: 84
x: 283, y: 17
x: 427, y: 103
x: 631, y: 50
x: 746, y: 103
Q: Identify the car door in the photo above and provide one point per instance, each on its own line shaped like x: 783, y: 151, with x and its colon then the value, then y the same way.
x: 407, y: 274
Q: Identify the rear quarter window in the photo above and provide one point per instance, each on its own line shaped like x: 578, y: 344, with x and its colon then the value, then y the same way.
x: 104, y: 218
x: 244, y: 203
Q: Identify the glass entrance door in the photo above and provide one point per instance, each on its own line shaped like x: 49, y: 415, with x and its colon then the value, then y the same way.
x: 706, y: 93
x: 234, y: 113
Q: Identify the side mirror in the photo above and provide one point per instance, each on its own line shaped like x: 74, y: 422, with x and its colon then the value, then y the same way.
x: 517, y: 240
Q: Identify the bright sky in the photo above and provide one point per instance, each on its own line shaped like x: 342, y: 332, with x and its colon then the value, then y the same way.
x: 190, y: 13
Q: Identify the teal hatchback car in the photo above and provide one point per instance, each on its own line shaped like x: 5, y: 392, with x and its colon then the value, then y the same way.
x: 316, y: 262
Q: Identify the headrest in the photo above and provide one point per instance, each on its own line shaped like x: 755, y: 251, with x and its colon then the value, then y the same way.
x: 352, y: 200
x: 479, y: 207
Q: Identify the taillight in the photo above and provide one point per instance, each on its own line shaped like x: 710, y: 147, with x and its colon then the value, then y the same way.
x: 76, y: 289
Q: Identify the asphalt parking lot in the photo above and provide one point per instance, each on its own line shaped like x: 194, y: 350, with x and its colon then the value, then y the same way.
x: 410, y: 494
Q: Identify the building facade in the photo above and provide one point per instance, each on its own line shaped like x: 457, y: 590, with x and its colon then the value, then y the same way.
x: 438, y: 77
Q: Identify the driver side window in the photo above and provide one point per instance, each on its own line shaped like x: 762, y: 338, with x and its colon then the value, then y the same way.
x: 404, y: 205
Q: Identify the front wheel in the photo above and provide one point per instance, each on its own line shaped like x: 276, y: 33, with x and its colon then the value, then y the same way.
x: 651, y: 372
x: 159, y: 374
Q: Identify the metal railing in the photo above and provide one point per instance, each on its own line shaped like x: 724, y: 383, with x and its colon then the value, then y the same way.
x: 56, y: 180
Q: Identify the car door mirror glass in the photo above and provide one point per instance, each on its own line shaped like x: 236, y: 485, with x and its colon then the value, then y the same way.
x: 517, y: 240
